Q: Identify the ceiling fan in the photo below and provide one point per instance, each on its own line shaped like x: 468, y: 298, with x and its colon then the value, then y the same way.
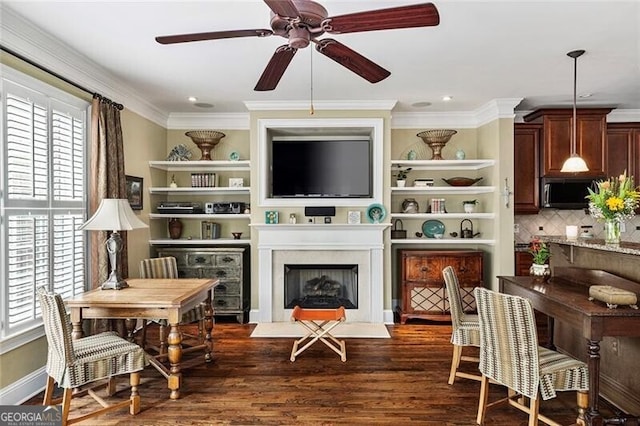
x: 303, y: 21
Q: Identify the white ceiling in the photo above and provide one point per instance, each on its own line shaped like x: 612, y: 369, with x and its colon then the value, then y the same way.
x: 481, y: 51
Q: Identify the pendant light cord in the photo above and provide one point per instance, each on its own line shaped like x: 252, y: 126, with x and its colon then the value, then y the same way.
x: 574, y: 147
x: 311, y: 111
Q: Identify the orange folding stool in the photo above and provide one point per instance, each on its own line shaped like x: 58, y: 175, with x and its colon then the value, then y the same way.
x: 319, y: 322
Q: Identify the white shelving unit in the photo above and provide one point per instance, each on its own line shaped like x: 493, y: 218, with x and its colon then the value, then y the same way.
x: 179, y: 193
x: 439, y: 190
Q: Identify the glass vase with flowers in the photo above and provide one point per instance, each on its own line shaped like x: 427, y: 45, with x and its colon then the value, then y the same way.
x: 614, y: 201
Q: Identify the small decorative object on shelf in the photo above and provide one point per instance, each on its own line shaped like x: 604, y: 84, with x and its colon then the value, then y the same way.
x: 236, y: 182
x: 540, y: 252
x: 180, y: 153
x: 423, y: 182
x: 436, y: 140
x: 469, y: 206
x: 175, y: 228
x: 236, y: 235
x: 206, y: 140
x: 271, y: 217
x: 460, y: 155
x: 173, y: 183
x: 353, y: 217
x: 461, y: 181
x: 292, y: 218
x: 614, y: 201
x: 234, y: 156
x: 410, y: 205
x: 412, y: 155
x: 401, y: 176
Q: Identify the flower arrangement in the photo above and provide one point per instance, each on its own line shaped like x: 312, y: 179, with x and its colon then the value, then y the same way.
x: 539, y: 250
x: 615, y: 199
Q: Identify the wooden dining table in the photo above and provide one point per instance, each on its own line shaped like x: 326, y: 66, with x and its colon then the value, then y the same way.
x: 150, y: 299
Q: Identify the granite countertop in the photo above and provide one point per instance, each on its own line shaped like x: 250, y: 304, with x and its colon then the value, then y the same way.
x: 596, y: 244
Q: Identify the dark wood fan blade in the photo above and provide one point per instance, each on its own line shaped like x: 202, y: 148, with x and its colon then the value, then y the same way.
x: 275, y: 68
x: 215, y: 35
x: 419, y: 15
x: 352, y: 60
x: 284, y: 8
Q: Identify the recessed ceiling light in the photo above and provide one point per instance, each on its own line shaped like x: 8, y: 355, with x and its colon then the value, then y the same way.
x: 447, y: 98
x: 192, y: 98
x: 421, y: 104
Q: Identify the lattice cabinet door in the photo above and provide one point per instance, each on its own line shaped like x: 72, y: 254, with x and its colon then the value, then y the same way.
x: 422, y: 285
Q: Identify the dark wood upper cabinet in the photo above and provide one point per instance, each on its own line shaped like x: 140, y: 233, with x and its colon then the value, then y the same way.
x: 623, y: 150
x: 557, y: 124
x: 526, y: 176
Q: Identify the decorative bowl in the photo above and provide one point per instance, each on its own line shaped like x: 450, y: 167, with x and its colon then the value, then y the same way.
x: 461, y: 181
x: 206, y: 140
x: 436, y: 139
x: 236, y: 235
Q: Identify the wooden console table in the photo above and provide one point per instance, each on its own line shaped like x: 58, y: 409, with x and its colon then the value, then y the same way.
x: 150, y: 299
x: 565, y: 298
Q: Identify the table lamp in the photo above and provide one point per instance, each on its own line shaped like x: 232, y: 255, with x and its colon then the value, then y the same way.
x: 115, y: 215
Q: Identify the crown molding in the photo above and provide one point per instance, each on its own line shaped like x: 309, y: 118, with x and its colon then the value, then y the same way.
x: 26, y: 39
x: 381, y: 105
x: 235, y: 121
x: 624, y: 116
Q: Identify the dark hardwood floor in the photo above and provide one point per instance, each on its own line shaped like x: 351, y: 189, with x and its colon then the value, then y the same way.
x: 399, y: 381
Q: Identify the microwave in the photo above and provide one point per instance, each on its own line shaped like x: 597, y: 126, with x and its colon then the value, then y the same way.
x: 566, y: 193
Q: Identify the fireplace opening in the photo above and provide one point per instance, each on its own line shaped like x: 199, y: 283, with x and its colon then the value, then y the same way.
x: 321, y: 286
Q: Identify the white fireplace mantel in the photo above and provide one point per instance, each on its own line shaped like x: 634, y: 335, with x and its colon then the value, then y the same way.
x: 359, y: 241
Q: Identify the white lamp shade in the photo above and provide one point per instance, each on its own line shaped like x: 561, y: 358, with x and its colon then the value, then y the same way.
x: 574, y: 164
x: 113, y: 214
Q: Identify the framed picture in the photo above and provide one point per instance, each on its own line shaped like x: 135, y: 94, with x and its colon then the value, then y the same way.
x: 236, y: 182
x: 353, y: 217
x: 271, y: 217
x: 134, y: 191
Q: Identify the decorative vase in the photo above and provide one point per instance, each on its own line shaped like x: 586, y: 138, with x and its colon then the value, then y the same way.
x: 612, y: 232
x: 401, y: 183
x: 538, y: 270
x: 205, y: 140
x: 410, y: 205
x: 175, y: 228
x: 436, y: 140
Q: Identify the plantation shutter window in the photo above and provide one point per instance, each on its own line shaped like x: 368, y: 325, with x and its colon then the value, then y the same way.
x: 43, y: 201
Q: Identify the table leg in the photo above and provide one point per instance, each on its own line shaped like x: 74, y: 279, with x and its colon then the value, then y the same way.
x: 208, y: 327
x: 551, y: 329
x: 593, y: 416
x: 174, y: 354
x: 130, y: 327
x: 76, y: 324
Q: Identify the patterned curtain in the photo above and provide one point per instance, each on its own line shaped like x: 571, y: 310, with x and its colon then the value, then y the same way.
x: 107, y: 180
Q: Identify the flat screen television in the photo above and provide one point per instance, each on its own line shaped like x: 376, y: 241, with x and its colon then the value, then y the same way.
x: 321, y: 168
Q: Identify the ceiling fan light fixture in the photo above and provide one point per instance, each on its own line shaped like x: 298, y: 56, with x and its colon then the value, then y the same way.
x: 574, y: 164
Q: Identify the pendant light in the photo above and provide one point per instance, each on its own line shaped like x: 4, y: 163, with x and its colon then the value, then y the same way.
x: 574, y: 163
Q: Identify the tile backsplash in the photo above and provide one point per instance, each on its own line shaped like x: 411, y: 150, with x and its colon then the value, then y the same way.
x: 553, y: 222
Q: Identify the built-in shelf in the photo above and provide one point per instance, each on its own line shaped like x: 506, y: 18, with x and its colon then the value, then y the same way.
x: 199, y: 242
x: 451, y: 190
x: 444, y: 241
x: 443, y: 216
x: 443, y: 164
x: 198, y: 216
x: 200, y: 190
x: 201, y: 165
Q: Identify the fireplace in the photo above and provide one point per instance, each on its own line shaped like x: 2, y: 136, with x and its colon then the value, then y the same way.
x: 320, y: 286
x: 320, y: 244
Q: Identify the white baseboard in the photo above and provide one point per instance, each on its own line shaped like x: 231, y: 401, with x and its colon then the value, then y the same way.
x: 24, y: 389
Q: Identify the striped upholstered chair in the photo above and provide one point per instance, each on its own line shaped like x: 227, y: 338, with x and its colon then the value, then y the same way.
x: 510, y: 356
x: 76, y: 365
x: 167, y: 267
x: 465, y: 327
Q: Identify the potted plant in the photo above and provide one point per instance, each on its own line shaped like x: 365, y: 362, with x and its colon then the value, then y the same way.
x: 469, y: 205
x: 540, y: 252
x: 401, y: 176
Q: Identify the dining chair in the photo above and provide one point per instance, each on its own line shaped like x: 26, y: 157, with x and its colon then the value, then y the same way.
x: 81, y: 366
x: 167, y: 267
x: 510, y: 356
x: 465, y: 327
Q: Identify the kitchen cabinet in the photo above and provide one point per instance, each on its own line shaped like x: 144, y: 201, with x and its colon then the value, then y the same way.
x: 557, y: 126
x: 455, y: 195
x: 526, y: 171
x: 219, y: 190
x: 623, y: 149
x: 523, y: 261
x: 422, y: 286
x: 228, y: 265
